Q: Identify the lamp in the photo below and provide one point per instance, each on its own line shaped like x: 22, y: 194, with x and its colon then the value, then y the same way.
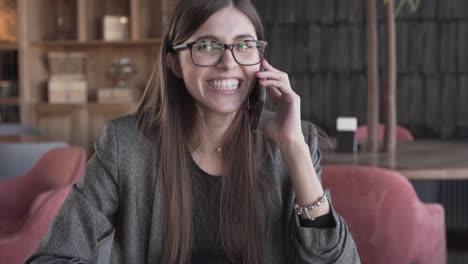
x: 8, y: 20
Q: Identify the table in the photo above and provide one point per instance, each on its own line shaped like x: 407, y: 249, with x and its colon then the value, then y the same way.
x: 436, y: 160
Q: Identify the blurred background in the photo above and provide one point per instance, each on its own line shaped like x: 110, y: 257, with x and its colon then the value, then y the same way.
x: 68, y: 66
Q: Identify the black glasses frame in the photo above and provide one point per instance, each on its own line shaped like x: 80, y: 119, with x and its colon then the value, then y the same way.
x: 230, y: 47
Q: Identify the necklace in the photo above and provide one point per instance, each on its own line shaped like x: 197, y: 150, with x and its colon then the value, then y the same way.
x: 216, y: 150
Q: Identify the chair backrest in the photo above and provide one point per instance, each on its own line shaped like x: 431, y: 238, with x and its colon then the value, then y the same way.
x: 55, y: 169
x: 386, y: 218
x: 12, y: 129
x: 17, y: 158
x: 26, y: 214
x: 402, y: 133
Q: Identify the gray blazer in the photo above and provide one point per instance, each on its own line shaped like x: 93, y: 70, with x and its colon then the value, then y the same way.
x: 120, y: 192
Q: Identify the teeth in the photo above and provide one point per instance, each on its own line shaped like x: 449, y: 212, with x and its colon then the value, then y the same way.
x: 228, y: 85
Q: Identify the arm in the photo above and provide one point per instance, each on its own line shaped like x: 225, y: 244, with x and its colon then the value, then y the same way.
x: 318, y: 245
x: 89, y: 212
x: 309, y: 243
x: 306, y: 183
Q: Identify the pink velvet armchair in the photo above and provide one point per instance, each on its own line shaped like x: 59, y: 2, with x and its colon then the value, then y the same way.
x: 386, y: 218
x: 28, y: 203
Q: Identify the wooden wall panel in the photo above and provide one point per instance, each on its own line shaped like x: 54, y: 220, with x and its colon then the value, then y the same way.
x: 327, y: 61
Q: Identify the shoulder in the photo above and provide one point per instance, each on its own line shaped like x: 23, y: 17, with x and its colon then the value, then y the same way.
x: 311, y: 134
x: 272, y: 164
x: 124, y: 125
x: 122, y: 136
x: 126, y: 152
x: 126, y: 129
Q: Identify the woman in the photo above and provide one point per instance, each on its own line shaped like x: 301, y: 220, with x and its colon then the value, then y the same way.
x: 185, y: 180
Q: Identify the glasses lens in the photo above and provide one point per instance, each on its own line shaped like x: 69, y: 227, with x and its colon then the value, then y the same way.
x: 206, y: 53
x: 248, y: 52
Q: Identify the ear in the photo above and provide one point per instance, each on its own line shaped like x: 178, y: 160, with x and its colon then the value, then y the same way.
x: 173, y: 64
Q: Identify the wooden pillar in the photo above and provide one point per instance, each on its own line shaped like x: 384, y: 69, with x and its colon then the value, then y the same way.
x: 372, y: 77
x: 390, y: 91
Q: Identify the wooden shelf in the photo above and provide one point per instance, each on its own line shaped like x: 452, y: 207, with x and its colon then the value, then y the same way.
x: 9, y: 100
x: 45, y: 105
x: 72, y: 43
x: 82, y: 30
x: 8, y: 46
x: 94, y: 105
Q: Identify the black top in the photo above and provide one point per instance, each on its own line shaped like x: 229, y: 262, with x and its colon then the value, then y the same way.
x: 207, y: 240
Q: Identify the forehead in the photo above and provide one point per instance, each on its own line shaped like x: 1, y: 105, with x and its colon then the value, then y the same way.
x: 227, y: 25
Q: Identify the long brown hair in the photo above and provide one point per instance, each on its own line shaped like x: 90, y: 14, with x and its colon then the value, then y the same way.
x: 167, y: 115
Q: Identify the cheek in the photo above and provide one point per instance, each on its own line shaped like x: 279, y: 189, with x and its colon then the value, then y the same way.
x: 193, y: 77
x: 189, y: 71
x: 251, y: 78
x: 193, y: 74
x: 186, y: 63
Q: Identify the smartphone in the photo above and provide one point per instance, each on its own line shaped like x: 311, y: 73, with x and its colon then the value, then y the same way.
x: 256, y: 102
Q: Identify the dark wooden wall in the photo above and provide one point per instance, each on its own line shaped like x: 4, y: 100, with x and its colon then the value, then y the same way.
x: 322, y: 45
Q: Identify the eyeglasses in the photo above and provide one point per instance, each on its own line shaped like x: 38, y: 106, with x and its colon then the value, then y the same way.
x: 207, y: 53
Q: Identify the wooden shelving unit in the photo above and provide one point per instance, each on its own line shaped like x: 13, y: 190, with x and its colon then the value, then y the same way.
x: 8, y: 103
x: 8, y: 46
x: 72, y: 43
x: 9, y: 100
x: 81, y: 31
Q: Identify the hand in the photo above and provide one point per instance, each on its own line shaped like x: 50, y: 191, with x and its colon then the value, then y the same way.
x: 283, y: 127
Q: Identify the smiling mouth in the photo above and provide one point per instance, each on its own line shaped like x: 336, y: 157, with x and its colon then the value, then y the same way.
x: 225, y: 85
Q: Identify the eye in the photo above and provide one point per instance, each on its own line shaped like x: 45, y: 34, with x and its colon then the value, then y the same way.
x: 245, y: 46
x: 207, y: 46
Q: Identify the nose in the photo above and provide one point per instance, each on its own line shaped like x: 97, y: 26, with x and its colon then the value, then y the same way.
x: 228, y: 61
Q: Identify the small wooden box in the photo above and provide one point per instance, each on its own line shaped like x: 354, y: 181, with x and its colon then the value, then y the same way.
x: 116, y: 95
x: 115, y: 28
x: 67, y: 63
x: 68, y: 90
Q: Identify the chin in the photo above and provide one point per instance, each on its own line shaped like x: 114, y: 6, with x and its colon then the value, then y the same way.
x: 225, y: 109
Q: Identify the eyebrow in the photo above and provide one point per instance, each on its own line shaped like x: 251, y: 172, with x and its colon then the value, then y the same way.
x: 241, y: 36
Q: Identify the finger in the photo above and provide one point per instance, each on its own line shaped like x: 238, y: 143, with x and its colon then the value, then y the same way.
x: 272, y: 75
x: 274, y: 93
x: 287, y: 94
x: 277, y: 84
